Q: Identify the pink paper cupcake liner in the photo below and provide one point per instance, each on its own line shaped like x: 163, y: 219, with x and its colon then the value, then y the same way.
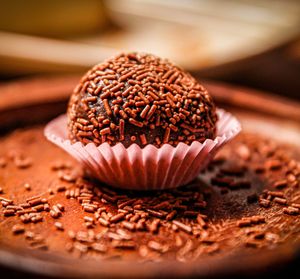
x: 145, y: 168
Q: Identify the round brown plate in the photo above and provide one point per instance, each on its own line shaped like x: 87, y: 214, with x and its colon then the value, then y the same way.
x: 30, y: 104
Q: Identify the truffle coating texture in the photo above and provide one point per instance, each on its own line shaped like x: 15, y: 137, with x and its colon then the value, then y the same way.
x: 143, y: 99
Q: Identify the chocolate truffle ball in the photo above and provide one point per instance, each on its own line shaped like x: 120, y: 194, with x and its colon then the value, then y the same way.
x: 143, y: 99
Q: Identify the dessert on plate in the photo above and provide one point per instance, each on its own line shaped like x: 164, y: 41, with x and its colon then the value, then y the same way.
x: 135, y: 115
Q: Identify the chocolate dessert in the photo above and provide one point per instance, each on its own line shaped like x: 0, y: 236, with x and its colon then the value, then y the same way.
x: 140, y: 98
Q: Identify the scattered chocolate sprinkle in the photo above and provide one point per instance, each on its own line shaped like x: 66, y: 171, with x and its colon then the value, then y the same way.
x: 104, y: 222
x: 3, y: 162
x: 182, y: 226
x: 54, y: 214
x: 222, y: 181
x: 60, y: 188
x: 291, y: 210
x: 281, y: 201
x: 296, y: 205
x: 18, y: 229
x: 35, y: 201
x: 22, y: 163
x: 99, y: 247
x: 60, y: 207
x: 264, y: 203
x: 27, y: 186
x: 117, y: 218
x: 251, y: 244
x: 29, y: 235
x: 273, y: 164
x: 278, y: 194
x: 244, y: 152
x: 67, y: 176
x: 280, y: 184
x: 59, y: 226
x: 120, y: 244
x: 9, y: 212
x: 233, y: 171
x: 244, y: 223
x: 89, y: 208
x: 259, y: 169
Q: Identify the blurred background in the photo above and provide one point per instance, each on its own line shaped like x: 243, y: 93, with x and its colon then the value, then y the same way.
x: 254, y: 43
